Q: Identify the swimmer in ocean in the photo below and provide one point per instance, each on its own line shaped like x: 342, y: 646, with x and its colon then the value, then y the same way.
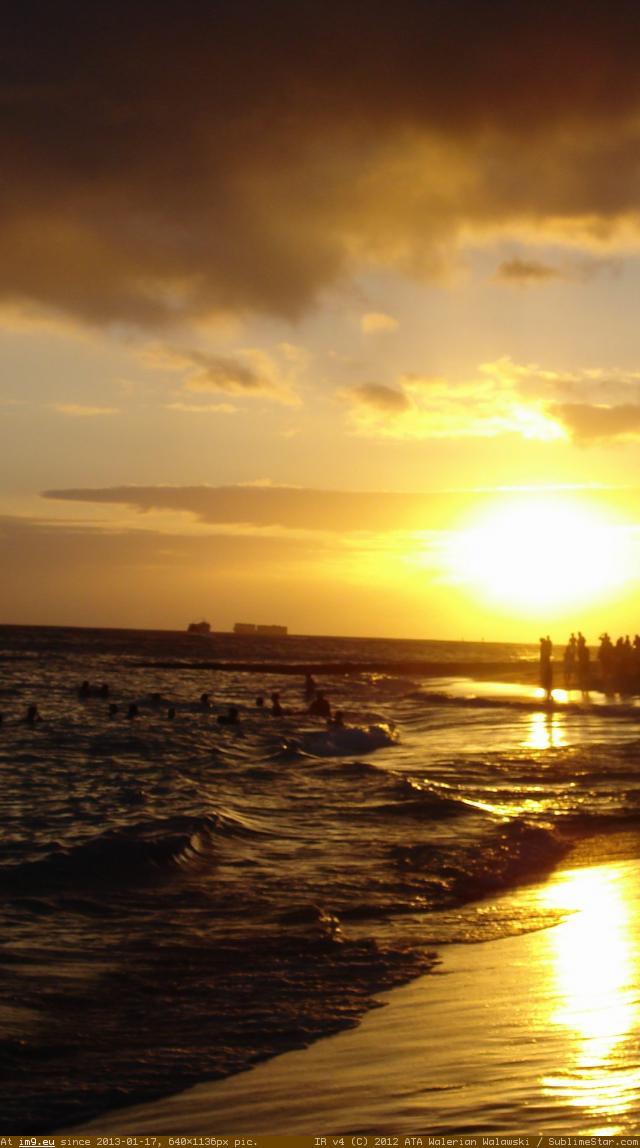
x: 320, y: 706
x: 231, y: 717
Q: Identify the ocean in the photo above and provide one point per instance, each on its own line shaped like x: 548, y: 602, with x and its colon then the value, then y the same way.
x: 180, y: 898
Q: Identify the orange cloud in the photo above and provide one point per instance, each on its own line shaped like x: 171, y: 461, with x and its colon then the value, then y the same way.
x: 376, y: 321
x: 250, y: 373
x: 589, y: 423
x: 77, y: 410
x: 524, y: 272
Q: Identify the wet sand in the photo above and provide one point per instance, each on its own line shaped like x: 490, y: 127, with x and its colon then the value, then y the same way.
x: 530, y: 1033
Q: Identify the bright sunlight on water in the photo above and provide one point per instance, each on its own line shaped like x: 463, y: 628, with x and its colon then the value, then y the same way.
x: 594, y: 997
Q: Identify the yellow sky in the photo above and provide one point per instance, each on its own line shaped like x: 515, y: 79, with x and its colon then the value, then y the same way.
x: 308, y: 286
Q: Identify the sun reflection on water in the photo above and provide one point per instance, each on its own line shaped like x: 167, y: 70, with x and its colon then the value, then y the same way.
x: 546, y: 730
x: 595, y: 995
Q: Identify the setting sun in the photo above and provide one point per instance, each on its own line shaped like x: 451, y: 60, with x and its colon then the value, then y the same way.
x: 542, y: 552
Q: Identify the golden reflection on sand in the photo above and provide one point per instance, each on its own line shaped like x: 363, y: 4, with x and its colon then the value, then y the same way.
x: 546, y: 731
x: 594, y: 996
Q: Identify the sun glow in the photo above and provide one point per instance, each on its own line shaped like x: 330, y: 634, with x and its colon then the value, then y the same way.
x: 543, y: 552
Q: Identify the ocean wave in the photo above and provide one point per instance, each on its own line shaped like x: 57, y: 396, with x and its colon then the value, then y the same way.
x: 428, y: 807
x: 511, y: 855
x: 343, y: 741
x: 120, y: 856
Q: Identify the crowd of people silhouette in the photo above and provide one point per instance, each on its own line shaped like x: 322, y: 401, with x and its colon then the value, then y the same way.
x: 615, y: 669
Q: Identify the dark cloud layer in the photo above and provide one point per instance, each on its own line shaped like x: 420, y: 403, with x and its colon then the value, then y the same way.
x: 166, y: 159
x: 315, y: 510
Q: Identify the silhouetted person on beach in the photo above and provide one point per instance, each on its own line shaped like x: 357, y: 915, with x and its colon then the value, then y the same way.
x: 84, y: 690
x: 569, y: 662
x: 260, y: 702
x: 133, y: 712
x: 584, y: 663
x: 32, y: 716
x: 310, y: 687
x: 606, y: 658
x: 276, y: 708
x: 204, y: 701
x: 171, y: 713
x: 546, y: 668
x: 113, y: 710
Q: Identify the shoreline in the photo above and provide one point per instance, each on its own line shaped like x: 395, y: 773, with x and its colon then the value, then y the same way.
x: 502, y: 1036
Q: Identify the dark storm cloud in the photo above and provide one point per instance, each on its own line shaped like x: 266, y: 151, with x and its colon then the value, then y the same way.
x: 165, y: 160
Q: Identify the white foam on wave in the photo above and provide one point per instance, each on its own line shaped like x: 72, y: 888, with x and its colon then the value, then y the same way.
x: 343, y: 741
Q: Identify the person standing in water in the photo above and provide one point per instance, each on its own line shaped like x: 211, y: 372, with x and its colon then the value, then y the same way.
x: 546, y: 667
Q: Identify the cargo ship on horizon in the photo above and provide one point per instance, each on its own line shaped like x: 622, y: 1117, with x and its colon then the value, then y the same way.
x: 265, y: 631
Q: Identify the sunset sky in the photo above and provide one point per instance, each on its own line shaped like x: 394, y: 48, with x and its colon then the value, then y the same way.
x: 321, y: 314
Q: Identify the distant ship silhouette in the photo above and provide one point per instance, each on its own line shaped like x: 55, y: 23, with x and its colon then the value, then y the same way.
x: 198, y: 628
x: 252, y: 628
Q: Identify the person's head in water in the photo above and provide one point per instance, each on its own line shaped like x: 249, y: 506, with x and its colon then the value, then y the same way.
x: 260, y: 702
x: 230, y: 718
x: 204, y: 700
x: 133, y: 711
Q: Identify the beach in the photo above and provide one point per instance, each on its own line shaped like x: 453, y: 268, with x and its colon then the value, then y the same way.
x: 529, y: 1034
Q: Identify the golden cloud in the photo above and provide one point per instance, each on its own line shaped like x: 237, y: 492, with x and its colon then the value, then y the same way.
x: 375, y: 321
x: 250, y: 372
x: 77, y: 410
